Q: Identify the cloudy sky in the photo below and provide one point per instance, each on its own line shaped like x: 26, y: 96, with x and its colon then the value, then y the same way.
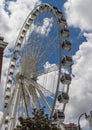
x: 79, y: 17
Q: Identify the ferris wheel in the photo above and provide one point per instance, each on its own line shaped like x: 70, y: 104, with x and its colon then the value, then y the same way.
x: 39, y: 72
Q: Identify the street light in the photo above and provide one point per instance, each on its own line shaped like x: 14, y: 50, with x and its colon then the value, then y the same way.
x: 89, y: 118
x: 80, y: 118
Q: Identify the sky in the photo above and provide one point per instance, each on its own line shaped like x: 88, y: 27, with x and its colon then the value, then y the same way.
x: 79, y: 19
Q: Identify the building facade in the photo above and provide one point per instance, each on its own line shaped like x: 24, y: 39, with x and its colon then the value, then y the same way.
x: 2, y: 47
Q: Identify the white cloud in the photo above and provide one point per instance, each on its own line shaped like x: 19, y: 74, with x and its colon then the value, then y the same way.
x: 45, y: 27
x: 79, y: 13
x: 81, y: 86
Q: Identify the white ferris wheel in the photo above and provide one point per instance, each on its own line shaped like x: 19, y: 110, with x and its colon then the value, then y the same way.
x: 39, y: 72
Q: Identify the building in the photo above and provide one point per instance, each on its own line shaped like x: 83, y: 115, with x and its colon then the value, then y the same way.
x: 71, y: 126
x: 2, y: 47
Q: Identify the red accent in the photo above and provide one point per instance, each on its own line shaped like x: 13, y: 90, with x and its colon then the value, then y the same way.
x: 1, y: 58
x: 72, y: 124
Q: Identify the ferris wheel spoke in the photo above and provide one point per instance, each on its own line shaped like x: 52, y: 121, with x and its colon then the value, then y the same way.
x: 34, y: 100
x: 50, y: 42
x: 14, y: 110
x: 32, y: 92
x: 41, y: 41
x: 48, y: 47
x: 50, y: 70
x: 37, y: 98
x: 47, y: 58
x: 44, y: 99
x: 41, y: 93
x: 37, y: 85
x: 43, y: 54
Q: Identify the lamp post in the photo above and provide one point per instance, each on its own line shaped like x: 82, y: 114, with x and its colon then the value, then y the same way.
x: 89, y: 118
x: 80, y: 118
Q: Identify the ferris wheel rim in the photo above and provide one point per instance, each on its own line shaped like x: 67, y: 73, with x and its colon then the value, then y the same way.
x: 28, y: 18
x: 24, y: 36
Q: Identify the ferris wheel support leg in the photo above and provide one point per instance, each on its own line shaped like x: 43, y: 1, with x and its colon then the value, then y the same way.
x: 6, y: 111
x: 67, y: 91
x: 64, y: 107
x: 13, y: 115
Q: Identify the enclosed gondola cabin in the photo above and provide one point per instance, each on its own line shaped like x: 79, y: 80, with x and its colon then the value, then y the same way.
x: 2, y: 47
x: 67, y: 61
x: 63, y: 98
x: 65, y: 32
x: 66, y: 45
x: 66, y: 79
x: 59, y: 115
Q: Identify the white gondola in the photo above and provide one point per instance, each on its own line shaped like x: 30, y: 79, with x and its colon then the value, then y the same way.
x: 62, y: 21
x: 8, y: 93
x: 47, y: 8
x: 8, y: 88
x: 6, y: 100
x: 6, y: 103
x: 66, y: 79
x: 16, y: 51
x: 9, y: 82
x: 10, y: 73
x: 24, y: 31
x: 59, y: 115
x: 7, y: 120
x: 67, y: 61
x: 66, y: 45
x: 7, y: 97
x: 41, y: 8
x: 8, y: 85
x: 63, y: 98
x: 12, y: 66
x: 18, y: 45
x: 55, y: 8
x: 30, y: 20
x: 58, y: 14
x: 34, y: 15
x: 65, y: 32
x: 27, y: 25
x: 21, y: 38
x: 13, y: 61
x: 37, y: 12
